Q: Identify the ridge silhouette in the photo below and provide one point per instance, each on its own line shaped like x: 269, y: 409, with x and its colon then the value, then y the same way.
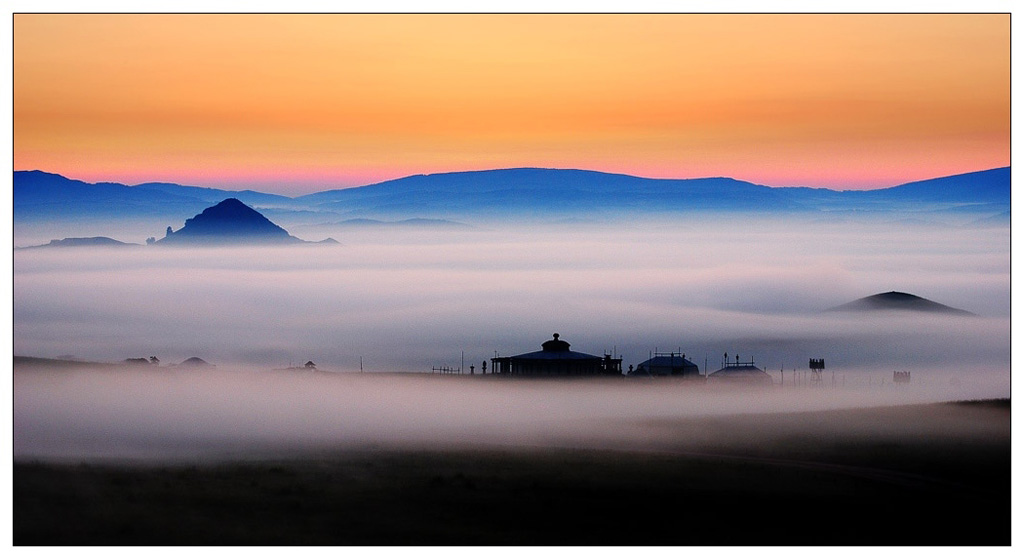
x: 538, y: 192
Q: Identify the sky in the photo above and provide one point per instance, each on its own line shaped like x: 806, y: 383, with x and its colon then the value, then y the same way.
x: 294, y: 104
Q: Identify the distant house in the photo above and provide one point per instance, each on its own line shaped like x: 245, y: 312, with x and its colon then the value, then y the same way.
x: 555, y: 359
x: 668, y: 364
x: 740, y: 373
x: 310, y: 365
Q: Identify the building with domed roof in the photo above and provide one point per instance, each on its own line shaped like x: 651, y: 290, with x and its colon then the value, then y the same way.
x: 556, y: 359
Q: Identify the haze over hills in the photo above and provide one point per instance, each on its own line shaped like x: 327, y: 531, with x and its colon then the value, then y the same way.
x: 984, y: 191
x: 76, y: 242
x: 412, y: 223
x: 552, y: 195
x: 564, y: 192
x: 898, y: 301
x: 546, y: 192
x: 36, y: 191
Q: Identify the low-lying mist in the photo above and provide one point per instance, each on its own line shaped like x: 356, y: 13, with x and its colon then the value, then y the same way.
x: 409, y: 301
x: 176, y: 414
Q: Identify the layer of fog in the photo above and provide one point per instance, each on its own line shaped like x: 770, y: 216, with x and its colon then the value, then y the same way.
x: 226, y: 415
x: 412, y: 300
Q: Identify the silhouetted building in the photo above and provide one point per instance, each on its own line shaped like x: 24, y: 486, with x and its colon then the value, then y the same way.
x: 555, y: 359
x: 740, y: 372
x: 668, y: 364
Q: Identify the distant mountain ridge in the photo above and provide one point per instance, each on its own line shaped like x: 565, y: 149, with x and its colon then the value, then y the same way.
x: 40, y: 187
x: 554, y: 192
x: 521, y: 193
x: 992, y: 185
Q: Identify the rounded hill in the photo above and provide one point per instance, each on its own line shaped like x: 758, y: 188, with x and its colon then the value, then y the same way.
x: 898, y: 301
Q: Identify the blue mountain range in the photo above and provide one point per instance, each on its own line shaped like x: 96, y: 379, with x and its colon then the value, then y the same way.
x: 525, y: 193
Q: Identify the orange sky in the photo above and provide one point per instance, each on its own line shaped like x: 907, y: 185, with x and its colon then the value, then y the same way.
x: 301, y: 103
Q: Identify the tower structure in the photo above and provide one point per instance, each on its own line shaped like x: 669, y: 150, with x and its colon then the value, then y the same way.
x: 816, y: 366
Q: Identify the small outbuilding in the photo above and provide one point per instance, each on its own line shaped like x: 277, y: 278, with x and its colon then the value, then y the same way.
x: 556, y: 359
x: 740, y: 373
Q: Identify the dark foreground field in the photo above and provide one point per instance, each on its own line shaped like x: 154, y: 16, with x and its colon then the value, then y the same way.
x: 915, y: 475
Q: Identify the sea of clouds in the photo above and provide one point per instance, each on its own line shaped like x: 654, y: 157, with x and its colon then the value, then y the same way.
x: 410, y: 300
